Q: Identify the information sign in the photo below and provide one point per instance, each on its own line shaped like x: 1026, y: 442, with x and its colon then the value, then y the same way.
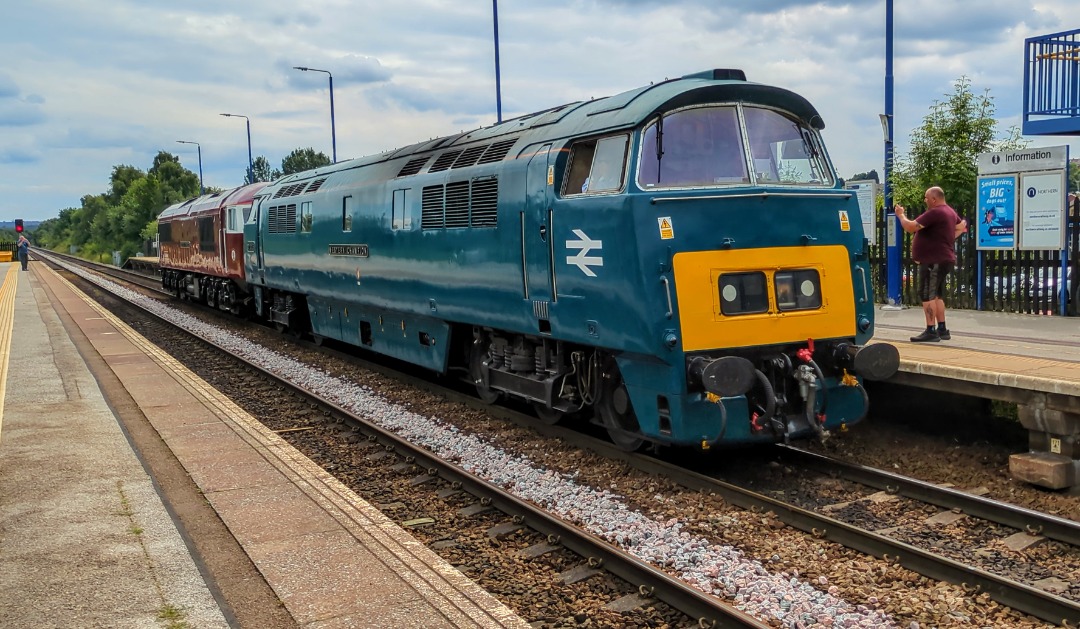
x: 1042, y: 210
x: 866, y: 195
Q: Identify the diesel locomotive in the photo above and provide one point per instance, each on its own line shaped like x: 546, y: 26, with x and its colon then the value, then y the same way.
x: 677, y: 263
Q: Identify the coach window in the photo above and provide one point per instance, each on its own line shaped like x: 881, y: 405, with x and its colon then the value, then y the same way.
x: 233, y: 220
x: 305, y: 217
x: 693, y: 147
x: 346, y: 214
x: 206, y: 235
x: 596, y: 166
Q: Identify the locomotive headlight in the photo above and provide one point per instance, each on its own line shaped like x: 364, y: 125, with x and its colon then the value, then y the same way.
x: 743, y: 293
x: 798, y: 290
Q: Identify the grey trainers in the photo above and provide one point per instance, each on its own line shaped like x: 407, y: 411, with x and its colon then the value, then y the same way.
x: 944, y: 334
x: 928, y: 336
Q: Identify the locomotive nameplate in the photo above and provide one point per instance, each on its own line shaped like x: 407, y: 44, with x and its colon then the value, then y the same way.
x: 353, y: 251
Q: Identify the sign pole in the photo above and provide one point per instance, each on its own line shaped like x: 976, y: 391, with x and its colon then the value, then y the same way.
x: 894, y: 236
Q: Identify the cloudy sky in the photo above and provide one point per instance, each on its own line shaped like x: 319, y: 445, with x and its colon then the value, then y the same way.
x: 88, y: 84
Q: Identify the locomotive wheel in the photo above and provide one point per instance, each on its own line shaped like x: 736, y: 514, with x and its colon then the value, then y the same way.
x: 318, y: 339
x: 477, y: 355
x: 616, y: 411
x: 547, y: 415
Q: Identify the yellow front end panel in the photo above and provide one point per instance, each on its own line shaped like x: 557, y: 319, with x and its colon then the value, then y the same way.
x: 704, y: 327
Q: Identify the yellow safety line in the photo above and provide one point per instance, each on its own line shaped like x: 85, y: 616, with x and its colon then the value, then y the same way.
x: 7, y: 323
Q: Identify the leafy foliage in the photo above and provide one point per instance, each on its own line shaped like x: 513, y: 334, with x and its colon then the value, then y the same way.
x: 946, y: 148
x: 122, y: 218
x: 262, y: 169
x: 870, y: 176
x: 303, y: 159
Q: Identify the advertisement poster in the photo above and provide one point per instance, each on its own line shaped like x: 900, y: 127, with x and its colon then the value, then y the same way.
x: 997, y: 213
x: 1042, y: 211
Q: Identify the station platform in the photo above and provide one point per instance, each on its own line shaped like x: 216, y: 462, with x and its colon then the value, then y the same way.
x: 1029, y: 360
x: 89, y: 537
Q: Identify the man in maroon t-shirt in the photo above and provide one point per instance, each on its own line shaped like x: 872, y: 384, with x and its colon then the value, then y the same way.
x: 935, y: 232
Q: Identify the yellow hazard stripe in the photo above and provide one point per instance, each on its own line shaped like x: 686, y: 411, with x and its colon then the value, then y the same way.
x: 7, y: 324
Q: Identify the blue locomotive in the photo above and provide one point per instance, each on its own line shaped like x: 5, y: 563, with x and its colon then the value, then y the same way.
x: 677, y: 263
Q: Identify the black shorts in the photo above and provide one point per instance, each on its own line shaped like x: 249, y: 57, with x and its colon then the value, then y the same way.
x: 932, y: 280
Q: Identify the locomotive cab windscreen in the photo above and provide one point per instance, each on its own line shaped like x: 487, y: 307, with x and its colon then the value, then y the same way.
x: 731, y: 145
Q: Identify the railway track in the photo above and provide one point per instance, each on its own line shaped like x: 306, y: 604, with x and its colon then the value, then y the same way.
x: 646, y: 584
x: 1019, y: 596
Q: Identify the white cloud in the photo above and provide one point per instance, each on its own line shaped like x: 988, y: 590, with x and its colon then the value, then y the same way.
x: 90, y: 84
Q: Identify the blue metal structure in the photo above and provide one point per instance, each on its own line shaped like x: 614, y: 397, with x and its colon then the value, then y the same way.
x: 1052, y: 84
x: 498, y: 72
x: 677, y: 263
x: 895, y: 235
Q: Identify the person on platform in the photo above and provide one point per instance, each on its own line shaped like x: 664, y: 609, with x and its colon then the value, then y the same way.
x: 935, y: 233
x: 23, y: 246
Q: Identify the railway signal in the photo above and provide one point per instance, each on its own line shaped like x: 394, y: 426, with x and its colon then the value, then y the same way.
x: 18, y: 226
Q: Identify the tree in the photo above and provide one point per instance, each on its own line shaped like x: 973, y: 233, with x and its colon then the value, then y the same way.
x: 303, y: 159
x: 177, y: 183
x: 946, y: 148
x: 262, y: 169
x: 122, y: 177
x: 870, y: 176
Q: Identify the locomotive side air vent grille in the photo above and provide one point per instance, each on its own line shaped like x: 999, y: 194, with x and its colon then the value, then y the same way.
x: 469, y: 156
x: 431, y: 208
x: 444, y: 161
x: 290, y: 190
x: 485, y: 202
x: 497, y: 151
x: 413, y: 166
x: 315, y: 185
x: 457, y: 204
x: 281, y: 219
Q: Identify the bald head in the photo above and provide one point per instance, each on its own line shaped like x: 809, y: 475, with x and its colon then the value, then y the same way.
x: 934, y: 196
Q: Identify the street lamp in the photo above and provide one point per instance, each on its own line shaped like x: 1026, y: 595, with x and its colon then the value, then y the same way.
x: 498, y: 78
x: 251, y: 164
x: 202, y: 190
x: 333, y: 130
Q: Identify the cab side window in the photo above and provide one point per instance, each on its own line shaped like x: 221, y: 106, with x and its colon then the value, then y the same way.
x: 596, y: 166
x: 306, y: 218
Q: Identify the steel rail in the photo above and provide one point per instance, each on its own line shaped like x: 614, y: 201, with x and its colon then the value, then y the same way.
x: 1019, y: 596
x: 1013, y: 594
x: 708, y: 610
x: 1027, y: 520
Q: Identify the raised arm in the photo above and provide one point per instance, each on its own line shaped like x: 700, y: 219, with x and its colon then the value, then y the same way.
x: 909, y: 225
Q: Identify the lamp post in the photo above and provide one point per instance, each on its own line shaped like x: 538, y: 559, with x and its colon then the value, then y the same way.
x: 498, y: 77
x: 202, y: 190
x: 333, y: 130
x: 251, y: 164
